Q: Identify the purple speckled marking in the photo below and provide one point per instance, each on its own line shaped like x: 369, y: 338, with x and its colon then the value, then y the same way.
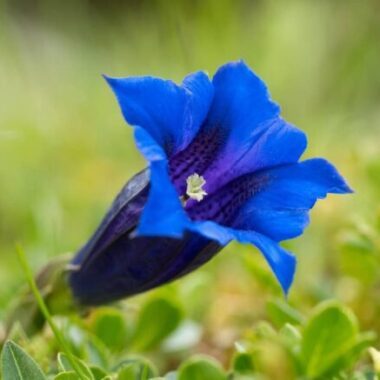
x: 196, y: 157
x: 222, y: 206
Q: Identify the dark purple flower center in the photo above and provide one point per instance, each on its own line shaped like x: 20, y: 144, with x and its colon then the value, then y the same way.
x: 195, y: 158
x: 222, y: 205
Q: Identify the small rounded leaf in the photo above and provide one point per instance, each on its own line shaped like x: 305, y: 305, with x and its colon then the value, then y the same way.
x: 201, y: 368
x: 158, y: 318
x: 109, y: 325
x: 242, y: 363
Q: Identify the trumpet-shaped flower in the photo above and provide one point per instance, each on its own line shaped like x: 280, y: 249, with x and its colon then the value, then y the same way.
x: 223, y: 165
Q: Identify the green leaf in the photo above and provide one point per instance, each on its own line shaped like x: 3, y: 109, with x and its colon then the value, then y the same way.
x: 18, y: 365
x: 65, y: 365
x: 133, y: 369
x: 363, y: 341
x: 157, y: 319
x: 281, y: 312
x: 347, y: 360
x: 242, y: 363
x: 128, y: 372
x: 96, y: 352
x: 109, y: 325
x: 71, y: 375
x: 98, y: 373
x: 290, y: 338
x: 290, y: 335
x: 330, y: 334
x: 264, y: 330
x: 200, y: 368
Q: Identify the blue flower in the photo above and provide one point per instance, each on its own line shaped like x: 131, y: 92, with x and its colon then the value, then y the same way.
x: 223, y: 166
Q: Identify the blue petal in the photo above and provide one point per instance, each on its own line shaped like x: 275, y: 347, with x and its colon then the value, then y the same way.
x: 213, y: 231
x: 166, y: 117
x: 163, y: 214
x: 241, y: 100
x: 280, y: 208
x: 148, y: 146
x: 255, y: 137
x: 169, y: 113
x: 282, y: 262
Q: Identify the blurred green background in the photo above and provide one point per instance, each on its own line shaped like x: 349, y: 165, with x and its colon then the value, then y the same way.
x: 65, y: 150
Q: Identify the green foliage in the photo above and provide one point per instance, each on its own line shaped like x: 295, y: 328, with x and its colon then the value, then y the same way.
x: 158, y: 318
x: 326, y: 345
x: 201, y: 368
x: 280, y: 312
x: 330, y: 339
x: 136, y: 369
x: 18, y: 365
x: 110, y: 327
x: 66, y: 365
x: 243, y: 363
x: 70, y: 375
x: 65, y: 152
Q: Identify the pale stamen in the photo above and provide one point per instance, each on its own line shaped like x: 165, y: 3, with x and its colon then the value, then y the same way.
x: 194, y: 189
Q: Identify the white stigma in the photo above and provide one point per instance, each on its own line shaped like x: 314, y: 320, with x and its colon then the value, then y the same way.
x: 194, y: 190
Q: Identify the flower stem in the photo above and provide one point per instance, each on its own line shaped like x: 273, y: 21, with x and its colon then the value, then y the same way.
x: 41, y: 303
